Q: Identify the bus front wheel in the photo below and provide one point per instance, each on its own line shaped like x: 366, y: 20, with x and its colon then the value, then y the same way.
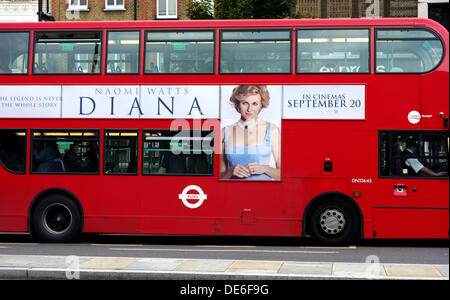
x: 56, y: 219
x: 333, y: 222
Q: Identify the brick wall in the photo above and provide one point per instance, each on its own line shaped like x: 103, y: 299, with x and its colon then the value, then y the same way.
x: 356, y: 8
x: 145, y: 10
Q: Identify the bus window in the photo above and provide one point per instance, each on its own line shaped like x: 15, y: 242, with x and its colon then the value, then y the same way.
x: 333, y: 51
x: 67, y: 53
x: 123, y: 52
x: 65, y: 151
x: 13, y: 149
x: 185, y: 152
x: 14, y: 47
x: 121, y: 152
x: 405, y: 154
x: 255, y: 52
x: 179, y: 52
x: 407, y: 51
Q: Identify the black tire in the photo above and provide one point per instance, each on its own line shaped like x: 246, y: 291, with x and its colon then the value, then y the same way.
x: 333, y: 222
x: 56, y: 219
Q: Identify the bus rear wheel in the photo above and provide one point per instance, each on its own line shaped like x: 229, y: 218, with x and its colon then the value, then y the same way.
x: 333, y: 222
x: 56, y: 219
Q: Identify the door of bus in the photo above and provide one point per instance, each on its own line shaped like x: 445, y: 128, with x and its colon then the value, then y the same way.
x: 409, y: 202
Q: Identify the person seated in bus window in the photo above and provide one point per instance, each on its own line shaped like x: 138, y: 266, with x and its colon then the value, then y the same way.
x: 249, y: 144
x: 10, y: 154
x: 207, y: 66
x: 174, y: 163
x: 73, y: 160
x: 91, y: 158
x: 410, y: 163
x: 48, y: 159
x: 189, y: 67
x: 4, y: 66
x: 153, y: 68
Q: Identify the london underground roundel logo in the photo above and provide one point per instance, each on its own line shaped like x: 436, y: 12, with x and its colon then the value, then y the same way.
x: 200, y: 197
x: 414, y: 117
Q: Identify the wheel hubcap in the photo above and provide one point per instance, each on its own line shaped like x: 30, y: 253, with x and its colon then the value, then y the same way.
x: 332, y: 221
x: 57, y: 218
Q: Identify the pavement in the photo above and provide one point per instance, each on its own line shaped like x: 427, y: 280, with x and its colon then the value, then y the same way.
x: 44, y: 267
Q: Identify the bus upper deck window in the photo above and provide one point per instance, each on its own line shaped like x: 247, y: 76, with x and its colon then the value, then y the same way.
x: 333, y: 51
x: 407, y: 50
x: 67, y: 52
x: 255, y: 52
x: 14, y: 47
x: 123, y: 52
x: 179, y: 52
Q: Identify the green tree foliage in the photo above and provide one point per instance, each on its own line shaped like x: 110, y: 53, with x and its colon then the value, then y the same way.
x: 234, y: 9
x: 273, y: 9
x: 254, y: 9
x: 200, y: 10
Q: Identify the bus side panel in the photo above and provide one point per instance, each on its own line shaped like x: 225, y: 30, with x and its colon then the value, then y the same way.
x: 421, y: 211
x: 13, y: 204
x: 352, y: 170
x: 435, y: 101
x: 411, y: 223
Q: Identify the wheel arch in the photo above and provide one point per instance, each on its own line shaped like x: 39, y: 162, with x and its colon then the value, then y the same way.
x: 336, y: 195
x: 54, y: 191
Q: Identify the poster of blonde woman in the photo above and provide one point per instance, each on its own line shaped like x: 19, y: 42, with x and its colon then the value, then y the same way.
x: 251, y: 135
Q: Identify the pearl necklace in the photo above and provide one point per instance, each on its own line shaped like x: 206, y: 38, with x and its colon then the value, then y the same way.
x: 246, y: 125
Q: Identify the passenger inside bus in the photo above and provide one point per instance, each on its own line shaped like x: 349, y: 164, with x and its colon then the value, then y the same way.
x: 409, y: 163
x: 46, y: 158
x: 73, y: 161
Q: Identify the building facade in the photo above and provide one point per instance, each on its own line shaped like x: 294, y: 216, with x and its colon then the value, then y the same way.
x: 90, y: 10
x: 18, y: 11
x: 437, y: 10
x: 85, y: 10
x: 357, y: 8
x: 117, y: 10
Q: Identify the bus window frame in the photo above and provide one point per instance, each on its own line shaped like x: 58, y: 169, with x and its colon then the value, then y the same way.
x: 100, y: 154
x: 178, y: 131
x: 26, y: 151
x: 411, y: 132
x: 214, y: 41
x: 438, y: 37
x: 369, y: 36
x: 291, y: 48
x: 107, y: 130
x: 100, y: 52
x: 29, y: 51
x: 105, y: 70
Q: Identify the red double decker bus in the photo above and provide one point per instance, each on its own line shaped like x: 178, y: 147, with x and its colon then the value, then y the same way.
x: 334, y: 129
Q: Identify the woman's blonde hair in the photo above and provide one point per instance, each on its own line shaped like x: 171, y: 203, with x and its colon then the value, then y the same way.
x: 243, y: 91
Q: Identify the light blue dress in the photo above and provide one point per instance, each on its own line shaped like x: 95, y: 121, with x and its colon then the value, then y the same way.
x: 244, y: 155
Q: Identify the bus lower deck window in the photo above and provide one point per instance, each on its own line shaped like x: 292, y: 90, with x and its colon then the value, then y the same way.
x: 121, y: 152
x: 424, y: 148
x: 65, y: 151
x: 187, y: 152
x: 13, y: 149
